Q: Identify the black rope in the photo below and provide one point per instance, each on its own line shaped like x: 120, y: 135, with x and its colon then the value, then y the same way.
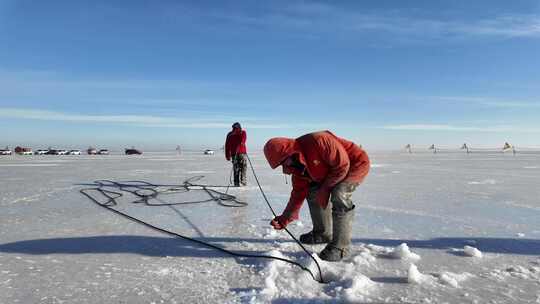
x: 146, y: 191
x: 287, y: 230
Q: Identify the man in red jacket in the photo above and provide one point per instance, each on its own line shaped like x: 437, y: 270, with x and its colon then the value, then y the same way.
x: 235, y: 150
x: 324, y: 167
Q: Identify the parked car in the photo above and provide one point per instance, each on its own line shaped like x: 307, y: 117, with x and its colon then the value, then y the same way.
x: 103, y: 152
x: 23, y: 151
x: 92, y: 151
x: 41, y: 152
x: 56, y: 152
x: 74, y: 152
x: 5, y: 151
x: 133, y: 151
x: 209, y: 152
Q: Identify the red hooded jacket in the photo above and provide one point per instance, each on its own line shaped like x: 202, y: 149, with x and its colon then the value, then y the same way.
x: 328, y: 160
x: 235, y: 143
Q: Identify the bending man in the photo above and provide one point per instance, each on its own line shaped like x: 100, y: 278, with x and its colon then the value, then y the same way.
x: 324, y: 168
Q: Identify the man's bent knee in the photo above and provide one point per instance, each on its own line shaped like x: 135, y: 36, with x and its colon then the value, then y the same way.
x: 342, y: 197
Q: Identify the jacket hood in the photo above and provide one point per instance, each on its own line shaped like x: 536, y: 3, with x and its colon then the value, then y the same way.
x: 278, y: 149
x: 236, y: 130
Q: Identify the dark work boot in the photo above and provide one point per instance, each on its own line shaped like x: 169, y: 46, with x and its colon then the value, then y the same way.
x: 339, y: 247
x: 313, y: 237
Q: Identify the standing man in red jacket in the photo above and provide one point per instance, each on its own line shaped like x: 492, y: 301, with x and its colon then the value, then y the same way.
x: 324, y: 167
x: 235, y: 150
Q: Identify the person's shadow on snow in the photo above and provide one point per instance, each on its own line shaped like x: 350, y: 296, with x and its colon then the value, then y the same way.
x: 112, y: 244
x: 166, y: 246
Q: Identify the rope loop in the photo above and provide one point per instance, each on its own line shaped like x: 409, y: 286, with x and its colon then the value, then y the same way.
x: 145, y: 192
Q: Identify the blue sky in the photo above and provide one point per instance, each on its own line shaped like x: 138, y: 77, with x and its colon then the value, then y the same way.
x: 154, y: 74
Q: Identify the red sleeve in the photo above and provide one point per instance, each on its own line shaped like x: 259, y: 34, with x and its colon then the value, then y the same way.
x: 228, y: 147
x: 298, y: 195
x: 244, y: 137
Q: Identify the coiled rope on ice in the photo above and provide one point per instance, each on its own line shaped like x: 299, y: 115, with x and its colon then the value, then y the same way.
x: 146, y: 191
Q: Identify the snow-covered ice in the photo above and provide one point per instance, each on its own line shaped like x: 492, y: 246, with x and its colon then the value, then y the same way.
x: 422, y: 223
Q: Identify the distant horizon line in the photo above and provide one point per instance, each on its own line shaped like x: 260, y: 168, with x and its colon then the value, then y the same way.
x: 414, y: 148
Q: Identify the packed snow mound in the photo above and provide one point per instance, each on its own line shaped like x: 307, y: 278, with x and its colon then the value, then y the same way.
x: 472, y: 252
x: 272, y: 272
x: 344, y: 282
x: 452, y: 279
x: 364, y: 258
x: 414, y: 276
x: 356, y: 289
x: 403, y: 252
x: 448, y: 279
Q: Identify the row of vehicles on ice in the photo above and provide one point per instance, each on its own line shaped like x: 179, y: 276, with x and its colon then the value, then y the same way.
x: 50, y: 151
x: 89, y: 151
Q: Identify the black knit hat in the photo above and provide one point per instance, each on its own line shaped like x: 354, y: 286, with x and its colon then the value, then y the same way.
x: 236, y: 125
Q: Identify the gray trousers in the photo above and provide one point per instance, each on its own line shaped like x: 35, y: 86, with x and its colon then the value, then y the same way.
x: 340, y: 203
x: 240, y: 169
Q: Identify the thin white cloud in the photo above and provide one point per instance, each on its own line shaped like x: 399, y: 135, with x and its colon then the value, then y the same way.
x: 467, y: 99
x: 47, y: 79
x: 511, y: 104
x: 429, y: 127
x: 505, y: 26
x: 490, y: 101
x: 320, y: 19
x: 138, y: 120
x: 444, y: 127
x: 499, y: 26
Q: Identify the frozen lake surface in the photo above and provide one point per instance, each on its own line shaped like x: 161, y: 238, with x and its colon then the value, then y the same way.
x: 429, y: 228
